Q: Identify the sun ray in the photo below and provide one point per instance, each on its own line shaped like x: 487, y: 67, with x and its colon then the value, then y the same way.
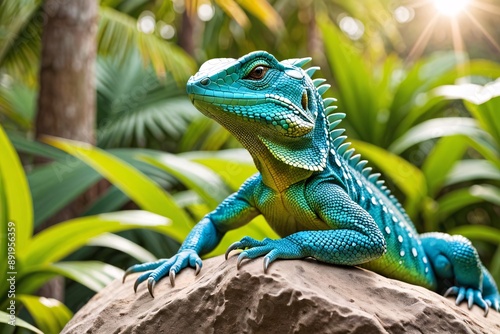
x: 458, y: 45
x: 417, y: 4
x: 487, y: 7
x: 422, y: 40
x: 481, y: 28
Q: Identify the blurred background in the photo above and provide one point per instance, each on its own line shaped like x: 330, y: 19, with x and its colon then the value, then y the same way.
x: 104, y: 162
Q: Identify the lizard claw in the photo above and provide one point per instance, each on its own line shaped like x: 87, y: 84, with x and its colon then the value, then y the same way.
x: 451, y: 291
x: 267, y: 260
x: 233, y: 246
x: 141, y: 279
x: 151, y: 286
x: 171, y: 275
x: 127, y: 272
x: 243, y: 255
x: 197, y: 270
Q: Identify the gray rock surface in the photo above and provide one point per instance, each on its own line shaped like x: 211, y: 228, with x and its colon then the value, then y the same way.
x: 295, y: 296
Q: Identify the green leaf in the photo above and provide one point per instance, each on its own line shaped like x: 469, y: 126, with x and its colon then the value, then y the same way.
x: 35, y: 148
x: 478, y: 232
x: 19, y: 206
x: 18, y: 103
x: 348, y: 65
x: 458, y: 199
x: 55, y: 185
x: 204, y: 134
x: 135, y: 108
x: 435, y: 168
x: 206, y: 183
x: 234, y: 166
x: 436, y: 128
x: 144, y: 192
x: 483, y: 102
x: 406, y: 176
x: 112, y: 200
x: 118, y: 35
x: 49, y: 314
x: 58, y: 241
x: 5, y: 319
x: 263, y: 11
x: 94, y: 275
x: 469, y: 170
x: 124, y: 245
x: 20, y: 39
x: 487, y: 116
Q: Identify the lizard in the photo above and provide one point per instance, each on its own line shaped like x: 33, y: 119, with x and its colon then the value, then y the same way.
x: 311, y: 188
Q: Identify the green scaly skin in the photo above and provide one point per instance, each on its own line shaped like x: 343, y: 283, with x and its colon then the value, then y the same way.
x: 311, y: 188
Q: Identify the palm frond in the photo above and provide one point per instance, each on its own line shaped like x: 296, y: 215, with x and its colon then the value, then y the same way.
x: 234, y: 11
x: 17, y: 103
x: 20, y: 38
x: 118, y: 35
x: 136, y: 109
x: 264, y: 12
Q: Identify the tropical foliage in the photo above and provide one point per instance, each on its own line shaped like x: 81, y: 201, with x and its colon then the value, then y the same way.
x: 436, y: 141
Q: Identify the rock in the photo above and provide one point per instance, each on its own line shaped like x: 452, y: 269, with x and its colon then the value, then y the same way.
x: 295, y: 296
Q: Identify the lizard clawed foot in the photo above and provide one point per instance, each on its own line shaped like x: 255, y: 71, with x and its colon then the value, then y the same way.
x: 493, y: 301
x: 272, y: 249
x: 154, y: 271
x: 473, y: 296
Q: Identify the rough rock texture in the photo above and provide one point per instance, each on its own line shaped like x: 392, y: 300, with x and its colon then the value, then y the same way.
x: 299, y: 296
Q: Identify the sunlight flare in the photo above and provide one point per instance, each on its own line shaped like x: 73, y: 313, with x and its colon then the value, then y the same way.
x: 451, y: 7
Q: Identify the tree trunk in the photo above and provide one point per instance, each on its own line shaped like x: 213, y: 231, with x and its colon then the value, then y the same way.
x: 186, y: 34
x: 67, y: 101
x: 66, y: 104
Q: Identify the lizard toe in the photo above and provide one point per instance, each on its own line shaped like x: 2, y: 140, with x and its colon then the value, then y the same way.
x: 473, y: 296
x: 493, y: 301
x: 141, y: 279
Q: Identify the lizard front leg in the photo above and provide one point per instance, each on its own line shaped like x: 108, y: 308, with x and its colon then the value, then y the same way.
x: 233, y: 212
x: 354, y: 237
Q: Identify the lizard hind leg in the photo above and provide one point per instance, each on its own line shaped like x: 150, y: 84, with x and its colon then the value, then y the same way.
x: 457, y: 267
x: 490, y: 291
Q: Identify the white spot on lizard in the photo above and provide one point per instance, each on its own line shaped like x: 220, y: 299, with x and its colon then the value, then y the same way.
x: 414, y: 252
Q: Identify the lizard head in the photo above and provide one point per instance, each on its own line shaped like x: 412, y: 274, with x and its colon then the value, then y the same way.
x: 259, y: 98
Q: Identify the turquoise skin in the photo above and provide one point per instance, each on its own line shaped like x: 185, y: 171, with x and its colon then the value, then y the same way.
x: 311, y: 188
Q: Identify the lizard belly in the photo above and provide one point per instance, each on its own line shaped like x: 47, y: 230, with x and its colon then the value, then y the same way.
x: 288, y: 212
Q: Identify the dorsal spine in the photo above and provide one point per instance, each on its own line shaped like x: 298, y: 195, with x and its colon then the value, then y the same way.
x: 336, y: 137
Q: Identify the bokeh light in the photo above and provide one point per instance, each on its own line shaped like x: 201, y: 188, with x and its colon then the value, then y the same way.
x: 352, y: 27
x: 146, y: 22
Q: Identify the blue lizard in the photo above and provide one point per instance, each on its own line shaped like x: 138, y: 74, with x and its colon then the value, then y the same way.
x: 311, y: 188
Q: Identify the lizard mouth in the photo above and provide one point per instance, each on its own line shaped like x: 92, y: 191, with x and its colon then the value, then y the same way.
x: 289, y: 118
x: 300, y: 112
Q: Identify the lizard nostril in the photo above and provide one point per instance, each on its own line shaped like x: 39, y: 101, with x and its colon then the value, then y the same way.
x: 205, y: 81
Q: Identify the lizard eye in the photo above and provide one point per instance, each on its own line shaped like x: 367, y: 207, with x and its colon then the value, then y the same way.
x: 257, y: 72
